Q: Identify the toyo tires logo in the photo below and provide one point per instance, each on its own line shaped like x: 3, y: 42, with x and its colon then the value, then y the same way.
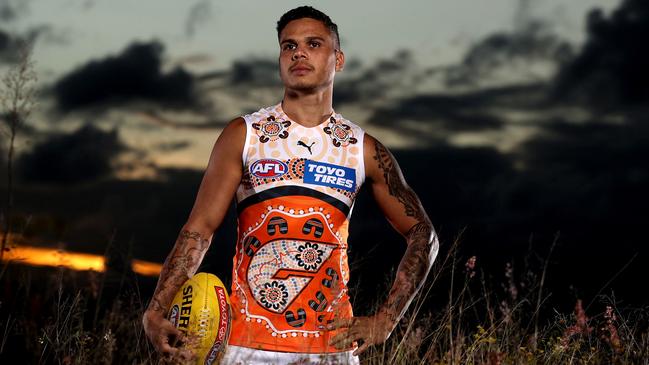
x: 268, y: 168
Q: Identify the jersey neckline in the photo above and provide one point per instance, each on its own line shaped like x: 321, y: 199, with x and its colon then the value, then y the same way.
x: 281, y: 112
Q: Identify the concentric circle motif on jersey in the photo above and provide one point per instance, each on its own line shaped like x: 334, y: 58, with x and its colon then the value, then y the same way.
x: 310, y: 256
x: 271, y: 129
x: 275, y: 291
x: 290, y: 268
x: 341, y: 134
x: 274, y: 295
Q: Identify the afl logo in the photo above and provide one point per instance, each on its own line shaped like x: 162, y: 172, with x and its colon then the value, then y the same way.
x: 174, y: 313
x: 268, y: 168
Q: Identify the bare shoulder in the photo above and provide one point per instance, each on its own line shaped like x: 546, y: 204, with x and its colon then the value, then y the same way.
x: 236, y: 128
x: 234, y: 134
x: 369, y: 143
x: 376, y: 157
x: 229, y: 144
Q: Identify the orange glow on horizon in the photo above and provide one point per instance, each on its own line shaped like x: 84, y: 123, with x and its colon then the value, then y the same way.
x: 41, y: 256
x: 146, y: 268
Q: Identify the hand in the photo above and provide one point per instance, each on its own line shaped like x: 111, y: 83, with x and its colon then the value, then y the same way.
x: 371, y: 330
x: 164, y: 337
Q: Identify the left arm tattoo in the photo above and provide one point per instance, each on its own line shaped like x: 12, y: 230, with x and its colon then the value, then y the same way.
x: 413, y: 269
x: 396, y: 185
x: 422, y: 240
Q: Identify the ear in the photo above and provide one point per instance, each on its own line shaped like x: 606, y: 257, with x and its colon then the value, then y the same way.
x: 340, y: 60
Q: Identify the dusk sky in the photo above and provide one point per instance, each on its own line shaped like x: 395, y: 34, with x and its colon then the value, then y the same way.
x: 211, y: 34
x: 521, y: 125
x: 204, y: 37
x: 510, y: 118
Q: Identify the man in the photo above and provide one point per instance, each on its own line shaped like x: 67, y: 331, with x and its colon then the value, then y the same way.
x: 295, y: 169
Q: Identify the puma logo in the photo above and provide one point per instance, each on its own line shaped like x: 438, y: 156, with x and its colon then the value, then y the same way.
x: 300, y: 143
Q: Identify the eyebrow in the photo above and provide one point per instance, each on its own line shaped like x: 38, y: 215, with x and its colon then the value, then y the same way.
x: 310, y: 38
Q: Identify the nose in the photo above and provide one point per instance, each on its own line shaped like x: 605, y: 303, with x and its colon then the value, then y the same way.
x: 298, y: 53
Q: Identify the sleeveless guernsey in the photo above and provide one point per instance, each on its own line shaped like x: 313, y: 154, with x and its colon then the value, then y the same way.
x: 290, y: 268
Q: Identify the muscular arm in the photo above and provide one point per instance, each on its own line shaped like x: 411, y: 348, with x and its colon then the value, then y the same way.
x: 180, y: 265
x: 220, y: 181
x: 405, y: 213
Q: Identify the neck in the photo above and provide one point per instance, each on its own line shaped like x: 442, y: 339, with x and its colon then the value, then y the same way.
x: 308, y: 108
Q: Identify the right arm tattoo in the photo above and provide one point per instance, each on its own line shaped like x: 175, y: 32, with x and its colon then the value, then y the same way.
x: 180, y: 265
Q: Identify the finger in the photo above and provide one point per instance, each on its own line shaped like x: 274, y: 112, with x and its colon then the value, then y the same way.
x: 176, y: 335
x: 341, y: 323
x: 165, y: 349
x: 186, y: 355
x: 337, y: 340
x: 361, y: 349
x: 344, y: 339
x: 169, y: 327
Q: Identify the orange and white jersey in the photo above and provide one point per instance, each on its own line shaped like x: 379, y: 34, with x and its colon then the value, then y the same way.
x: 290, y: 268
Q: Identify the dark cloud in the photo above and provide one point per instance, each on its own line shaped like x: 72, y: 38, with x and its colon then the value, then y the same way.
x: 254, y: 73
x: 447, y: 114
x: 135, y: 74
x: 199, y: 14
x: 11, y: 42
x: 12, y: 9
x: 24, y: 128
x: 585, y: 181
x: 83, y: 155
x: 509, y: 52
x: 386, y: 76
x: 590, y: 172
x: 357, y: 84
x: 11, y: 45
x: 611, y: 68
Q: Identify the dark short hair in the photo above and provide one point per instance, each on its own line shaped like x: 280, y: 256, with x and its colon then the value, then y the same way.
x: 308, y: 12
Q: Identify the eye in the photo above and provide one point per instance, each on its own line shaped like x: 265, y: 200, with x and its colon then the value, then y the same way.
x: 288, y: 46
x: 314, y: 44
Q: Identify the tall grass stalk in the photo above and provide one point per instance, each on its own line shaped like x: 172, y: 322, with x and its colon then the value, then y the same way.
x: 17, y: 99
x: 475, y: 322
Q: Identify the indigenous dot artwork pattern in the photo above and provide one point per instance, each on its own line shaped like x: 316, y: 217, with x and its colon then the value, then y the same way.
x: 290, y: 269
x: 272, y: 135
x: 271, y: 129
x: 341, y: 133
x: 295, y: 172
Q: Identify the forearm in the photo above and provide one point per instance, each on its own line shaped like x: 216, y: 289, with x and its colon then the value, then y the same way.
x: 181, y: 264
x: 415, y: 264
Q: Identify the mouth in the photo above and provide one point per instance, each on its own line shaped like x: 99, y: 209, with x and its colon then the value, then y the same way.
x: 300, y: 69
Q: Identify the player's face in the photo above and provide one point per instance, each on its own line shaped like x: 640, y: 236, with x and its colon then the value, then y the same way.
x: 308, y: 58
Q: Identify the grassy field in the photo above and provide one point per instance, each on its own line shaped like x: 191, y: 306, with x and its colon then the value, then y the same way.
x: 61, y: 316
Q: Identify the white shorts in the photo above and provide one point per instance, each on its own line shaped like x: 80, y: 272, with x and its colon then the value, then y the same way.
x: 237, y: 355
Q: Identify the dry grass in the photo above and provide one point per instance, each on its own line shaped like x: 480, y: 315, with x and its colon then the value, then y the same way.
x: 66, y: 317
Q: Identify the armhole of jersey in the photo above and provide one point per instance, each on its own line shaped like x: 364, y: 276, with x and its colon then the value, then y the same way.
x: 362, y: 157
x: 246, y: 144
